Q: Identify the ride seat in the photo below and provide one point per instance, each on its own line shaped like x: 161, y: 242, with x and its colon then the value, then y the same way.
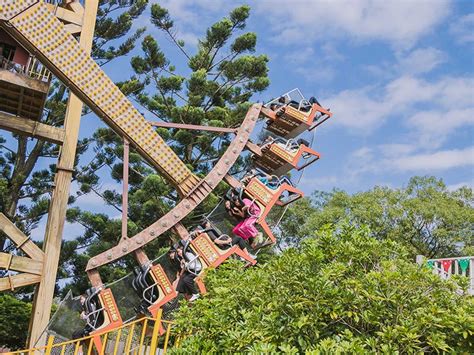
x: 266, y: 198
x: 166, y: 291
x: 288, y: 122
x: 212, y: 255
x: 104, y: 313
x: 277, y: 159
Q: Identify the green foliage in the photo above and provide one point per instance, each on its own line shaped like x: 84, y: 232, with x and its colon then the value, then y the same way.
x: 424, y: 216
x: 14, y: 318
x: 340, y: 291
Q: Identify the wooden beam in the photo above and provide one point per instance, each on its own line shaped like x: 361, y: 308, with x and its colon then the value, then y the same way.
x: 57, y: 209
x: 66, y: 15
x: 73, y: 29
x: 19, y: 280
x: 20, y: 263
x: 76, y: 7
x: 31, y: 128
x: 21, y: 240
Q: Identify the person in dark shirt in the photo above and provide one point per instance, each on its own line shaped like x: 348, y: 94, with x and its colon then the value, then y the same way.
x: 190, y: 267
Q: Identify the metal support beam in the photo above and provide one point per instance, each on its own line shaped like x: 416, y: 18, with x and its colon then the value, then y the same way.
x: 126, y: 151
x: 254, y: 148
x: 57, y: 211
x: 193, y: 127
x: 27, y: 127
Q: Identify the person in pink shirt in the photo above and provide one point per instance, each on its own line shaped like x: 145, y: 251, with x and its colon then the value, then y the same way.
x: 246, y: 229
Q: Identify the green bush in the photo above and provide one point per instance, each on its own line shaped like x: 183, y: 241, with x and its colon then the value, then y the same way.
x: 341, y: 291
x: 14, y: 320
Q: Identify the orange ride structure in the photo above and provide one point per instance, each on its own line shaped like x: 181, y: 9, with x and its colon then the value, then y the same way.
x: 45, y: 39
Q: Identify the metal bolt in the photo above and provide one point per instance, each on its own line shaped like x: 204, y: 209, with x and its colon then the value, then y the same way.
x: 94, y: 263
x: 241, y: 140
x: 152, y: 233
x: 109, y: 256
x: 164, y: 224
x: 227, y: 161
x: 176, y: 215
x: 140, y: 240
x: 188, y: 206
x: 124, y: 249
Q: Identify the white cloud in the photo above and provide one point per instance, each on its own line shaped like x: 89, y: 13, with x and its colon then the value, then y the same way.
x: 365, y: 109
x: 408, y: 63
x: 398, y: 22
x: 325, y: 73
x: 421, y: 60
x: 434, y: 127
x: 463, y: 29
x: 402, y: 159
x: 358, y: 110
x: 396, y: 149
x: 299, y: 57
x: 437, y: 161
x: 374, y: 162
x: 331, y: 53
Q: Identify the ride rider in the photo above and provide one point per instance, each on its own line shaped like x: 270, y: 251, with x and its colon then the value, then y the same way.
x: 190, y: 267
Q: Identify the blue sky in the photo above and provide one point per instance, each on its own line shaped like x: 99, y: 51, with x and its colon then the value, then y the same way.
x: 397, y: 75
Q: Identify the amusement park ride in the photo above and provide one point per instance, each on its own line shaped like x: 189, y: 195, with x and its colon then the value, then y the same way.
x: 40, y: 39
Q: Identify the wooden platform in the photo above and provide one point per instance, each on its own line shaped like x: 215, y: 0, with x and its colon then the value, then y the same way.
x: 21, y: 95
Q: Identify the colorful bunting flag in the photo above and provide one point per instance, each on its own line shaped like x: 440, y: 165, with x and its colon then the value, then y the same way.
x: 446, y: 264
x: 430, y: 264
x: 463, y: 264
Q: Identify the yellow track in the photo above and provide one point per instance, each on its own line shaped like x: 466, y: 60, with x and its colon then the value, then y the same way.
x: 33, y: 25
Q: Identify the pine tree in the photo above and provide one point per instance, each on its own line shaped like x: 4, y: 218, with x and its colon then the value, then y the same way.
x: 214, y: 89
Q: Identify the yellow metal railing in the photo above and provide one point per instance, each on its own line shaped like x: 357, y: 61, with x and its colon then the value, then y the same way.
x: 141, y: 336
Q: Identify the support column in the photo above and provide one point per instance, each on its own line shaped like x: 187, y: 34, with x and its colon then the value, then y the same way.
x: 57, y: 211
x: 126, y: 153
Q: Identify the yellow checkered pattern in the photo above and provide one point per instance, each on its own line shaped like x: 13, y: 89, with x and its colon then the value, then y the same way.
x: 284, y: 154
x: 11, y: 8
x: 293, y: 112
x: 162, y: 278
x: 47, y: 35
x: 109, y: 303
x: 259, y: 191
x: 205, y: 249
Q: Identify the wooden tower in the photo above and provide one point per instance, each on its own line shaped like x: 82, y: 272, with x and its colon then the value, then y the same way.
x: 24, y: 85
